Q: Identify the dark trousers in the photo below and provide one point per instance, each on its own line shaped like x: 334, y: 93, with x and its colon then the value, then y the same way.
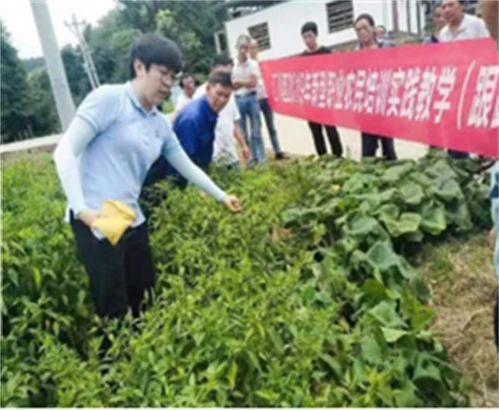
x: 268, y: 116
x: 370, y: 146
x: 319, y: 142
x: 120, y: 275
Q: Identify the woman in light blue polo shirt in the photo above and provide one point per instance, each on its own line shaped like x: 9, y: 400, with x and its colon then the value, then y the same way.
x: 115, y: 136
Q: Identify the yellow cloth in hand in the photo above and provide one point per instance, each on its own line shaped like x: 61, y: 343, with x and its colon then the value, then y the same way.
x: 115, y: 218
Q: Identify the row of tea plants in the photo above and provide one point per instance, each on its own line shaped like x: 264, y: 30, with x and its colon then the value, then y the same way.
x: 307, y: 298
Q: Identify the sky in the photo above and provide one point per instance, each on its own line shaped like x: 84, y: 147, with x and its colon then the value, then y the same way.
x: 18, y: 19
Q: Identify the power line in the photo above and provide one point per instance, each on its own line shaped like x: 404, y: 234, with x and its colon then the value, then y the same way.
x: 88, y: 62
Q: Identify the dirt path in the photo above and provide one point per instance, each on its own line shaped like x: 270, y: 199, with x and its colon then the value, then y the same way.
x: 295, y: 138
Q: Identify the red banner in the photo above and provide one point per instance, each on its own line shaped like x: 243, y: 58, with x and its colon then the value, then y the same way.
x: 438, y: 94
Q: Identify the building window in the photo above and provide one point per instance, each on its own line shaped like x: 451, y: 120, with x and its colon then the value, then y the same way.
x: 260, y: 33
x: 339, y: 15
x: 220, y: 42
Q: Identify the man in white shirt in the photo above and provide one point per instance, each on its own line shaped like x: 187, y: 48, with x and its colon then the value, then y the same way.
x: 227, y: 128
x: 263, y: 100
x: 460, y: 26
x: 245, y: 80
x: 188, y: 87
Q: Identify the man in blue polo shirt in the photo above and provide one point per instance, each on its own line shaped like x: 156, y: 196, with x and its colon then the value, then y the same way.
x: 195, y: 125
x: 195, y: 129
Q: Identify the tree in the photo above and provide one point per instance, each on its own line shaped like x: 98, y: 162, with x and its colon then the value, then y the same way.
x: 43, y: 118
x: 75, y: 73
x: 33, y: 63
x: 14, y: 90
x: 110, y: 44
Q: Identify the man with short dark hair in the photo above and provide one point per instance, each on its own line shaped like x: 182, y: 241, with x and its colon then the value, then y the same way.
x: 195, y: 126
x: 460, y: 26
x: 309, y: 33
x: 381, y: 36
x: 438, y: 24
x: 227, y: 130
x: 366, y: 34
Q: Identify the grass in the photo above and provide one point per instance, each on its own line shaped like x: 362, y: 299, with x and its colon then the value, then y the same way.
x: 463, y: 284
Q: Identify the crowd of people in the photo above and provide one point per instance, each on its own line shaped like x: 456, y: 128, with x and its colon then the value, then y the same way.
x: 119, y: 143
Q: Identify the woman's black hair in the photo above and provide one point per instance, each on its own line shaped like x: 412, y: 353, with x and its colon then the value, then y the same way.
x: 152, y: 48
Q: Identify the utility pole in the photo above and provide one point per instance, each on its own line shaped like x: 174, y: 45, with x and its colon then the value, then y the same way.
x: 58, y: 81
x: 88, y: 62
x: 395, y: 16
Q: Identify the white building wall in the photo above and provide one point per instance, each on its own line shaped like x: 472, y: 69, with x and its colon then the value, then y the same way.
x: 285, y: 21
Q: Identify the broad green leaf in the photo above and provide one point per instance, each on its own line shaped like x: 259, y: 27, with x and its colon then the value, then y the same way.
x: 412, y: 193
x: 425, y: 369
x: 441, y: 169
x: 421, y: 179
x: 420, y: 315
x: 448, y: 191
x: 459, y: 216
x: 433, y: 220
x: 406, y: 396
x: 386, y: 195
x: 395, y: 173
x: 406, y: 270
x: 407, y: 223
x: 388, y: 211
x: 362, y: 226
x: 417, y: 236
x: 392, y: 335
x: 381, y: 256
x: 374, y: 290
x: 371, y: 351
x: 358, y: 370
x: 385, y: 313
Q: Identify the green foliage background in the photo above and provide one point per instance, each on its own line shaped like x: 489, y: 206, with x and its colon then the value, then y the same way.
x: 27, y: 105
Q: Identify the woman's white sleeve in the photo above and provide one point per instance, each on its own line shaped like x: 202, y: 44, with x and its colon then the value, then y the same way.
x: 66, y: 157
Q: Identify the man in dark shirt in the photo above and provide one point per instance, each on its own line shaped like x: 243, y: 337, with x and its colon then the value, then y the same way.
x: 195, y: 129
x: 309, y: 33
x: 195, y: 124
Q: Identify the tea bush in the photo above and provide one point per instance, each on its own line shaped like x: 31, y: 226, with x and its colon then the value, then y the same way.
x: 307, y: 298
